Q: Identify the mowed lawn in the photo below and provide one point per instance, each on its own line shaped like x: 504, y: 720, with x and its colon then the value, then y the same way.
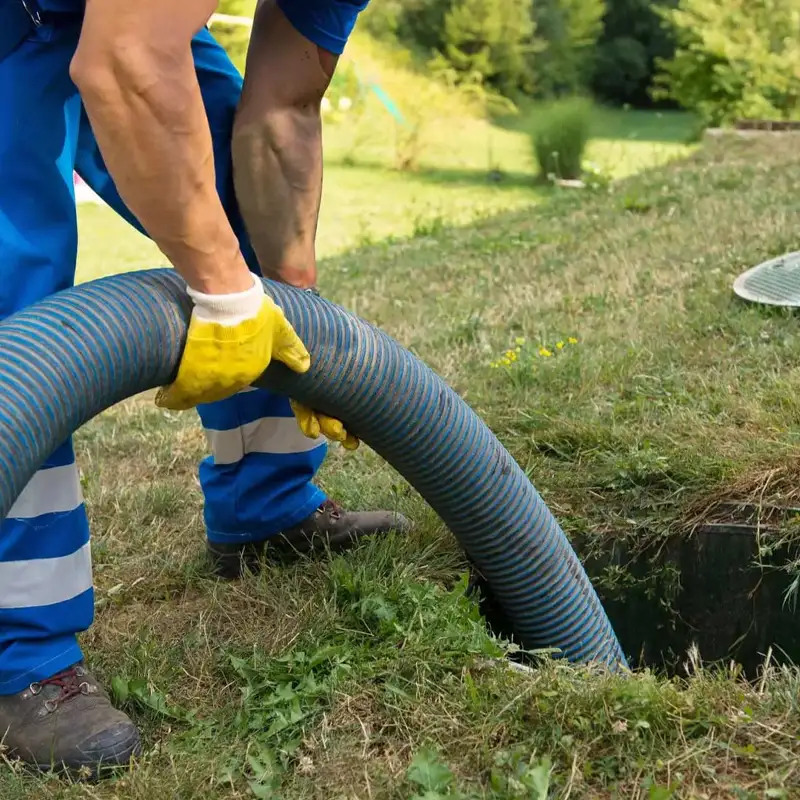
x: 464, y: 170
x: 370, y: 675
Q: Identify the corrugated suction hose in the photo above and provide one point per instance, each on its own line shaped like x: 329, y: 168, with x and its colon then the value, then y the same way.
x: 69, y: 357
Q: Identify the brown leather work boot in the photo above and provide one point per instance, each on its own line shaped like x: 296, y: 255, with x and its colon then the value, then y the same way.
x: 67, y: 722
x: 329, y: 527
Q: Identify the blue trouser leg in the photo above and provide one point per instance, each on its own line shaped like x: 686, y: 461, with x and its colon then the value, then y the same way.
x: 45, y: 565
x: 257, y: 481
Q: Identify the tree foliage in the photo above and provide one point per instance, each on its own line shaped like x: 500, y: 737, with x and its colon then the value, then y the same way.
x: 634, y: 36
x: 478, y: 41
x: 734, y: 59
x: 491, y: 40
x: 567, y: 31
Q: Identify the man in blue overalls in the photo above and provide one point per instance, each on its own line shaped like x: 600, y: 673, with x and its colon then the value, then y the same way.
x: 225, y: 177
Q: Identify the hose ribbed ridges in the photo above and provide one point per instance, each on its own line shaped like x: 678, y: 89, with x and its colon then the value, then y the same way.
x: 69, y: 357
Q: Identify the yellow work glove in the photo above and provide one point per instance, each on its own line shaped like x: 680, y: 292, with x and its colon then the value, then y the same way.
x: 231, y: 340
x: 312, y: 423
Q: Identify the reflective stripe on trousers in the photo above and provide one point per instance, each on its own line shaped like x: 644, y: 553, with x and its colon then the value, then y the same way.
x: 258, y: 479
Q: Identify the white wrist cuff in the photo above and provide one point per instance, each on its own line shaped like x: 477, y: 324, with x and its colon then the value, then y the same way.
x: 228, y: 309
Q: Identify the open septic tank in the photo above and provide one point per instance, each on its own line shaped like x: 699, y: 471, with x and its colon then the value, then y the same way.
x: 722, y: 585
x: 713, y: 588
x: 716, y: 589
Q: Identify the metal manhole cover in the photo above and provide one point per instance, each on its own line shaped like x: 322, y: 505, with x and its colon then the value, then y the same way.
x: 775, y: 282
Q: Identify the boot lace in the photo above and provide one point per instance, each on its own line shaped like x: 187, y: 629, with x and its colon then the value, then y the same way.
x: 332, y: 509
x: 69, y: 683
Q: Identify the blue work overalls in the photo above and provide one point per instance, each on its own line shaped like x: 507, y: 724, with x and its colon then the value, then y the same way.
x: 258, y: 478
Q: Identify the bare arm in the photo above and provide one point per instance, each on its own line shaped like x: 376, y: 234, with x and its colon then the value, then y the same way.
x: 134, y: 70
x: 277, y: 145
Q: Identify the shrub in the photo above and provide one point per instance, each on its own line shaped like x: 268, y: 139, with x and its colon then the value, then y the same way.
x: 560, y: 134
x: 734, y: 59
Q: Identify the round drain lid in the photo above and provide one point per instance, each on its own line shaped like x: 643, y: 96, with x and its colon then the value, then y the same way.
x: 775, y: 282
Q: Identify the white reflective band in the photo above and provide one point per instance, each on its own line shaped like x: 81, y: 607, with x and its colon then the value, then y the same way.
x: 44, y: 581
x: 49, y: 491
x: 276, y: 435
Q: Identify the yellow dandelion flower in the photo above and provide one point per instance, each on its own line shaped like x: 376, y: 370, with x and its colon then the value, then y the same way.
x: 505, y: 362
x: 543, y: 351
x: 572, y: 340
x: 560, y: 345
x: 519, y: 341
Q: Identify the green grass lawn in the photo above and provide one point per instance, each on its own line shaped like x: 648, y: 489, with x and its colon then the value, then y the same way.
x: 487, y: 169
x: 448, y: 165
x: 370, y: 675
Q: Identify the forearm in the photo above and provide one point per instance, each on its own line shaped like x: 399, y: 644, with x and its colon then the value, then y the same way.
x: 278, y: 180
x: 277, y: 145
x: 148, y: 117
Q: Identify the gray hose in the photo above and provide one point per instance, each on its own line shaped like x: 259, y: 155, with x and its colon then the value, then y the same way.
x: 69, y: 357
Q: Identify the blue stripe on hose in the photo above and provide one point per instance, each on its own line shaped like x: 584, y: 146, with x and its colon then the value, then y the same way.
x: 69, y: 357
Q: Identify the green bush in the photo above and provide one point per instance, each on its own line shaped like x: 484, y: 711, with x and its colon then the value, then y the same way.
x: 560, y: 133
x: 735, y: 59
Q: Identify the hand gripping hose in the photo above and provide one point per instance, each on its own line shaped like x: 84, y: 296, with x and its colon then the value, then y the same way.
x: 78, y: 352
